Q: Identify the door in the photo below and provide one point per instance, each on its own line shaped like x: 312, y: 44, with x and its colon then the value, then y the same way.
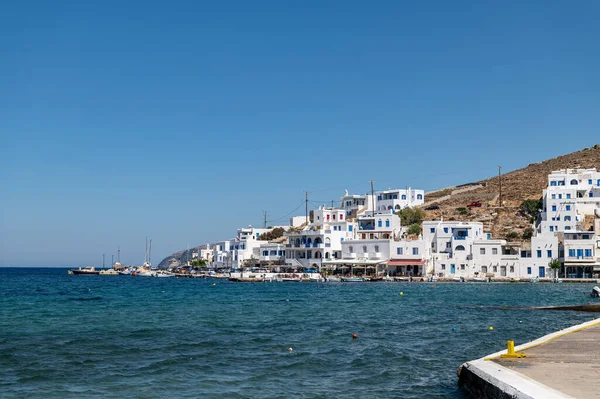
x: 452, y: 269
x: 542, y: 273
x: 579, y: 253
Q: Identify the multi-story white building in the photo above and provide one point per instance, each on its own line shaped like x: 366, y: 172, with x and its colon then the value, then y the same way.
x: 320, y: 240
x: 270, y: 253
x: 494, y: 258
x: 241, y: 248
x: 398, y: 199
x: 534, y: 262
x: 581, y: 254
x: 378, y: 225
x: 356, y: 204
x: 571, y: 194
x: 221, y: 258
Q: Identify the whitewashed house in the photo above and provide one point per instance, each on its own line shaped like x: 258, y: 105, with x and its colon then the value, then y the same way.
x: 354, y: 204
x: 395, y: 200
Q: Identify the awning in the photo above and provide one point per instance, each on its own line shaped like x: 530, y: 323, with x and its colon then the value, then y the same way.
x: 405, y: 262
x: 353, y: 262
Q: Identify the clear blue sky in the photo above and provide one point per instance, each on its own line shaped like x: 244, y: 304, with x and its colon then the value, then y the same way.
x: 183, y: 120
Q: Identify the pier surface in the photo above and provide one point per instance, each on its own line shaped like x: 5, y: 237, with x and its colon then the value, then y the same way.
x: 565, y: 364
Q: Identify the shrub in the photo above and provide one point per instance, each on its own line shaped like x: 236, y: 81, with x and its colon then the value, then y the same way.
x: 462, y: 211
x: 527, y: 233
x: 414, y: 228
x: 513, y: 235
x: 272, y: 235
x: 409, y: 216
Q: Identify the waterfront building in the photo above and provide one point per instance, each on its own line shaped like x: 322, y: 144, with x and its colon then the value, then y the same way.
x: 271, y: 253
x: 241, y: 248
x: 495, y: 258
x: 320, y: 240
x: 398, y: 199
x: 534, y: 261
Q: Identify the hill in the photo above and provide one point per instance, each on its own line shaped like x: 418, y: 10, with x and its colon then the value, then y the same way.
x: 517, y: 186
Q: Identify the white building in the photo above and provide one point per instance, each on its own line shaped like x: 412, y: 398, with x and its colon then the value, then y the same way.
x: 320, y: 240
x: 398, y: 199
x: 270, y: 253
x: 495, y: 259
x: 378, y: 225
x: 241, y: 248
x: 221, y: 258
x: 534, y: 262
x: 356, y: 204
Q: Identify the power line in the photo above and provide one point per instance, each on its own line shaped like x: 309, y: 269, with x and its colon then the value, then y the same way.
x: 285, y: 216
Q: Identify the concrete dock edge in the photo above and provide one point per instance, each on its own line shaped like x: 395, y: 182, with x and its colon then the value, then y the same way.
x: 484, y: 378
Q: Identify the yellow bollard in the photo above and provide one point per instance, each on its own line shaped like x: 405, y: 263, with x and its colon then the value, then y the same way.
x: 511, y: 354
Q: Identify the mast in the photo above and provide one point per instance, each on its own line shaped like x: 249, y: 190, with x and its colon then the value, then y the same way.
x: 146, y: 256
x: 150, y: 251
x: 119, y: 255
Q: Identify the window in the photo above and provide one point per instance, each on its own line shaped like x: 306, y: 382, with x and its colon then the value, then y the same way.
x: 273, y: 252
x: 598, y: 182
x: 553, y: 208
x: 460, y: 248
x: 591, y: 194
x: 495, y: 269
x: 512, y: 269
x: 571, y: 252
x: 419, y: 196
x: 448, y: 245
x: 445, y: 229
x: 553, y: 183
x: 376, y: 248
x: 585, y: 237
x: 529, y: 270
x: 568, y: 195
x: 403, y: 196
x: 494, y: 251
x: 379, y: 197
x: 379, y: 223
x: 415, y: 251
x: 539, y: 253
x: 483, y: 269
x: 553, y: 196
x: 573, y: 182
x: 265, y: 253
x: 350, y: 249
x: 551, y: 228
x: 387, y: 223
x: 588, y: 252
x: 333, y: 217
x: 462, y: 267
x: 482, y: 251
x: 399, y: 251
x: 432, y: 230
x: 590, y: 181
x: 559, y: 196
x: 549, y: 253
x: 364, y: 248
x: 350, y: 227
x: 567, y: 227
x: 443, y: 267
x: 567, y: 218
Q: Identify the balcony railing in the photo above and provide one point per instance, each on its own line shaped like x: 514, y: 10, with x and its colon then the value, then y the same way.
x: 460, y: 237
x: 366, y: 227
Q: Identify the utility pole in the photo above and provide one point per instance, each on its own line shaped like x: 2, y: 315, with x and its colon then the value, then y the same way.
x: 331, y: 204
x: 372, y: 196
x: 306, y: 193
x: 500, y: 184
x: 113, y: 261
x: 103, y: 255
x: 119, y: 255
x: 264, y: 219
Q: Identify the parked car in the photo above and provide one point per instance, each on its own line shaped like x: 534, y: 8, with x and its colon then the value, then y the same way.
x: 432, y: 208
x: 474, y: 204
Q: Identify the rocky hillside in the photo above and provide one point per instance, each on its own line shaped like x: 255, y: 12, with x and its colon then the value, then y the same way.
x: 517, y: 186
x: 179, y: 258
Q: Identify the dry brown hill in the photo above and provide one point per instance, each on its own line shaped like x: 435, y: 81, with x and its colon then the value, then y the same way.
x: 517, y: 186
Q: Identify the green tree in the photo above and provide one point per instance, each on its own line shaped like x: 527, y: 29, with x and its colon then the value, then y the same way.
x: 251, y: 262
x: 198, y: 263
x: 532, y: 208
x: 414, y: 228
x: 555, y: 265
x: 410, y: 216
x: 527, y: 233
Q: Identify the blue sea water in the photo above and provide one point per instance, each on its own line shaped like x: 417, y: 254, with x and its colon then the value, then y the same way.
x: 67, y: 336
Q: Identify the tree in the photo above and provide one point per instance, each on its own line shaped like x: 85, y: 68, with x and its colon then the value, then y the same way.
x: 198, y: 263
x: 555, y: 265
x: 414, y: 228
x: 527, y: 233
x: 462, y: 211
x: 532, y: 208
x: 410, y: 216
x: 251, y: 262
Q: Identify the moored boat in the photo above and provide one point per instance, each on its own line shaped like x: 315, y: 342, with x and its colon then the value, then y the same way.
x: 90, y: 270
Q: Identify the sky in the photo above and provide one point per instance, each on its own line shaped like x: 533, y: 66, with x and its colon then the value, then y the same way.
x: 182, y: 121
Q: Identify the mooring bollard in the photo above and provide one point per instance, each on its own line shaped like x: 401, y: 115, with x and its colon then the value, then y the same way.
x: 511, y: 351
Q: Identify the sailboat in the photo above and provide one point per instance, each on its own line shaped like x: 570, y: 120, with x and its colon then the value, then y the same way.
x: 145, y: 269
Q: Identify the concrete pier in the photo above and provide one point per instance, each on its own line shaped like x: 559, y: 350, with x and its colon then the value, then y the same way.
x: 564, y: 364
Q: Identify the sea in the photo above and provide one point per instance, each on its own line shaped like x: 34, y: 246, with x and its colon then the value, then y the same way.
x: 69, y: 336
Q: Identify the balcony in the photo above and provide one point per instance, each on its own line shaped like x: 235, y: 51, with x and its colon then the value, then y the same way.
x: 375, y: 255
x: 460, y: 237
x: 366, y: 228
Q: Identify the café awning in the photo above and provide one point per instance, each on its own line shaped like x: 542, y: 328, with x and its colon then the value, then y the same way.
x: 405, y: 262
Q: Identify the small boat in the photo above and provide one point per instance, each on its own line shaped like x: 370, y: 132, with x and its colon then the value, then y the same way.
x: 352, y: 279
x: 163, y: 274
x: 90, y: 270
x: 458, y: 279
x: 479, y: 279
x: 333, y: 279
x: 109, y: 272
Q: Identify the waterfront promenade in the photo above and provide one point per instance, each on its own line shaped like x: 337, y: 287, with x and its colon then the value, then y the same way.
x: 564, y: 364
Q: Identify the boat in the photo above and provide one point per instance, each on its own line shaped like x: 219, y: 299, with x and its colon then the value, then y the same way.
x: 109, y: 272
x: 458, y: 279
x: 90, y: 270
x: 479, y: 279
x: 163, y: 274
x: 352, y: 279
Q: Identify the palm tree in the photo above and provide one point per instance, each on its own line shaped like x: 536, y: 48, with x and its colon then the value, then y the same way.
x: 555, y: 265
